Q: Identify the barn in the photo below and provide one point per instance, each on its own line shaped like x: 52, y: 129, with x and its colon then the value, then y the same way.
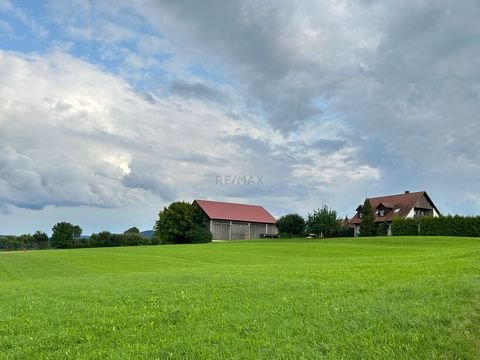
x: 230, y: 221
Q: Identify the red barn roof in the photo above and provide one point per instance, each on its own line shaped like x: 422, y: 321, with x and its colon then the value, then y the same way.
x: 217, y: 210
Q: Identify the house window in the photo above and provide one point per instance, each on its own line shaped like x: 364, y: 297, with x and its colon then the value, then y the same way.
x: 397, y: 210
x: 419, y: 212
x: 381, y: 212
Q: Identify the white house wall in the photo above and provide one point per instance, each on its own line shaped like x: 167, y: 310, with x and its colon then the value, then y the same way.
x: 411, y: 214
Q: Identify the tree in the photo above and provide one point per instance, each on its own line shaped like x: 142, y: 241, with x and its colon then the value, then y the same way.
x: 199, y: 234
x: 103, y: 238
x: 40, y: 239
x: 291, y: 224
x: 63, y: 234
x: 323, y: 222
x: 178, y: 224
x: 132, y: 230
x: 367, y: 227
x: 24, y: 241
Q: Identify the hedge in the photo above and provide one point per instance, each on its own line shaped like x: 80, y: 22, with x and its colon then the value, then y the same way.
x: 404, y: 227
x: 451, y: 226
x: 438, y: 226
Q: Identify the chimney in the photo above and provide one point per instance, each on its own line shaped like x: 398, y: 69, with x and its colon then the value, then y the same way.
x: 407, y: 192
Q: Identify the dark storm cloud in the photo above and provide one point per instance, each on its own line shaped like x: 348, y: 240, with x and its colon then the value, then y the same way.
x: 197, y: 91
x: 402, y: 76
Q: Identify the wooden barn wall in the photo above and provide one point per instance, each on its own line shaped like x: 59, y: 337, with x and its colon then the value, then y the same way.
x: 256, y: 229
x: 240, y: 230
x: 220, y: 230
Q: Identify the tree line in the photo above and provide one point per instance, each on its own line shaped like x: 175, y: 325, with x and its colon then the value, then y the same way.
x: 322, y: 222
x: 178, y: 223
x: 68, y: 236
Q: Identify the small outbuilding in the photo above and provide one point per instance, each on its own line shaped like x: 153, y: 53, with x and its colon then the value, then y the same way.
x: 230, y: 221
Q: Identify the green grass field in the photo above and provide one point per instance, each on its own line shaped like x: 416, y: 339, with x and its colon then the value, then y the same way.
x: 380, y: 298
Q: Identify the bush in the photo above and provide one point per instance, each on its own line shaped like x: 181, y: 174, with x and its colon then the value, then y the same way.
x: 404, y: 227
x: 382, y: 229
x: 291, y: 225
x: 199, y: 234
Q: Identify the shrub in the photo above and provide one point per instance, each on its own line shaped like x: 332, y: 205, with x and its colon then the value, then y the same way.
x: 291, y: 225
x: 199, y: 234
x: 382, y: 228
x: 344, y: 231
x: 404, y: 227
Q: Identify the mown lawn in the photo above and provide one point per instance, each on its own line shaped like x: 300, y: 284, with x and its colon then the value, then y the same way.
x: 381, y: 298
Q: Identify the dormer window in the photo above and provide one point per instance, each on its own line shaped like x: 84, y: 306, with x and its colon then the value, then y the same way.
x: 381, y: 212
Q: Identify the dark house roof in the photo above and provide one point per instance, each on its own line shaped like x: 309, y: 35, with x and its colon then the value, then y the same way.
x: 397, y: 205
x: 217, y: 210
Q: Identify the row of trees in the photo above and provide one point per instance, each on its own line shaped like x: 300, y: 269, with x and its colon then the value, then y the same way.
x: 179, y: 223
x: 36, y: 241
x: 323, y: 222
x: 66, y: 236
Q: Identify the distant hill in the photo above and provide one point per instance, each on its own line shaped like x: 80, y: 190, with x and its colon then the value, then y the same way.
x: 148, y: 233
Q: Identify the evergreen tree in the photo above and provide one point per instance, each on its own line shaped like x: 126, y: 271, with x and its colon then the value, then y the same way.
x: 368, y: 227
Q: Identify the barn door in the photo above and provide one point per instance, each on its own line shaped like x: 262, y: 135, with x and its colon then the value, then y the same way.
x: 239, y: 231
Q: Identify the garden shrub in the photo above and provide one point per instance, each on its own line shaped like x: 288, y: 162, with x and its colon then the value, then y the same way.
x: 404, y: 227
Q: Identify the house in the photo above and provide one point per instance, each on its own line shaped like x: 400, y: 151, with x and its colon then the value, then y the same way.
x: 407, y: 205
x: 229, y: 221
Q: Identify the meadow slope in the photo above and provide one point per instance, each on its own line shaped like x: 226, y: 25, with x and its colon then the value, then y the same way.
x: 371, y: 298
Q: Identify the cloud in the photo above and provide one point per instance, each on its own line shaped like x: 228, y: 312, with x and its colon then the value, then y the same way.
x: 197, y: 90
x: 95, y: 141
x: 399, y: 78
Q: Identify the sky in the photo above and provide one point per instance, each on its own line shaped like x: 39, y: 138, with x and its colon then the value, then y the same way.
x: 111, y: 110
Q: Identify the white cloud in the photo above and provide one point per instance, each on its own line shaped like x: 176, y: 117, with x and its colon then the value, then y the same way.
x: 74, y: 135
